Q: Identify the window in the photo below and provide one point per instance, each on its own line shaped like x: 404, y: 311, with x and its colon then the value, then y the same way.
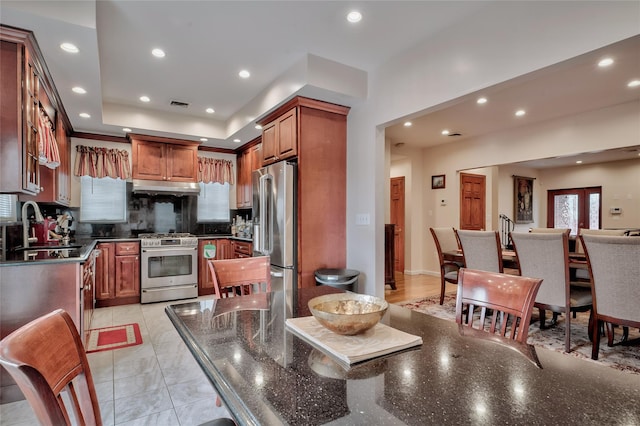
x: 103, y: 200
x: 213, y: 203
x: 8, y: 211
x: 577, y: 208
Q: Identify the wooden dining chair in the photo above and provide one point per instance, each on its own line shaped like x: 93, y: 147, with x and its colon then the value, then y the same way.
x: 504, y: 303
x: 614, y: 266
x: 481, y: 250
x: 446, y: 241
x: 237, y: 277
x: 47, y: 360
x: 546, y: 256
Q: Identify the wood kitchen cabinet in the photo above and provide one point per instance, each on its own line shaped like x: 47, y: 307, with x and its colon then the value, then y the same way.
x: 280, y: 138
x: 248, y: 160
x: 164, y: 159
x: 223, y: 251
x: 118, y: 274
x: 315, y: 133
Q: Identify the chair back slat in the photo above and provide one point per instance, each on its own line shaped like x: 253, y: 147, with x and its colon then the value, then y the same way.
x: 46, y: 357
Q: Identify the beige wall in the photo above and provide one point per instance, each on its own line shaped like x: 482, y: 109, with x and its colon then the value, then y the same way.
x: 620, y: 181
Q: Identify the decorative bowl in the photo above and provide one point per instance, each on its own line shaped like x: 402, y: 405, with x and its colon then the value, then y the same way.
x: 348, y: 313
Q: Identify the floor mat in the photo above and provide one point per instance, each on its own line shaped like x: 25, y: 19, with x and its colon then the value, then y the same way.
x: 116, y: 337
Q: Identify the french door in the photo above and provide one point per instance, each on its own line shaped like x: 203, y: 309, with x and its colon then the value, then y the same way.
x: 574, y: 208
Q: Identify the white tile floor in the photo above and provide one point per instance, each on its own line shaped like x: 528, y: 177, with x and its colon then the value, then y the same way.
x: 155, y: 383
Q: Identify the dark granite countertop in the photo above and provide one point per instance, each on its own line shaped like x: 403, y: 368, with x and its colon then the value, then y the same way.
x: 267, y: 375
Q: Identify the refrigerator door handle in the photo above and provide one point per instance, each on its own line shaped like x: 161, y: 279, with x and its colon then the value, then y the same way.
x: 265, y: 216
x: 277, y: 274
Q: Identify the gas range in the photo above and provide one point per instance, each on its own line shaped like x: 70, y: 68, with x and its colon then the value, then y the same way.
x: 173, y: 239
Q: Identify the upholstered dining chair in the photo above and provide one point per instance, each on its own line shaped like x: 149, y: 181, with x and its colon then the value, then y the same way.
x: 481, y: 250
x: 446, y: 241
x: 614, y: 267
x: 584, y: 231
x: 237, y: 277
x: 505, y: 304
x: 46, y: 359
x: 546, y: 256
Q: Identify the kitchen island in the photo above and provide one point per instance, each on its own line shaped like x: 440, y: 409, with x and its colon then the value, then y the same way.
x: 267, y: 375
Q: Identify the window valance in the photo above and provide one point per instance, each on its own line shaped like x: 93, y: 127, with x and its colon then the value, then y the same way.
x: 102, y: 162
x: 215, y: 170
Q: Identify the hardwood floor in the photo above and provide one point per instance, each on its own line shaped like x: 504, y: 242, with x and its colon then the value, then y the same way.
x: 411, y: 287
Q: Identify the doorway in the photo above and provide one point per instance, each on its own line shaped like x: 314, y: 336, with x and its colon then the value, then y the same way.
x: 472, y: 201
x: 397, y: 218
x: 575, y: 208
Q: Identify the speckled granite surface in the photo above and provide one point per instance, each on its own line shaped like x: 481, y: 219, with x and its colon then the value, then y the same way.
x: 266, y: 375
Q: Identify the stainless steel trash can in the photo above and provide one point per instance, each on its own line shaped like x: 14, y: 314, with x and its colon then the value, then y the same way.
x: 345, y: 279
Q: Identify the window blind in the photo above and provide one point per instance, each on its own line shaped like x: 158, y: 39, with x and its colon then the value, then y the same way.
x: 213, y: 203
x: 103, y: 200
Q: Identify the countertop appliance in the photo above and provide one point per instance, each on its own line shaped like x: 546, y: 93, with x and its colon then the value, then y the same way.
x: 274, y: 234
x: 169, y: 267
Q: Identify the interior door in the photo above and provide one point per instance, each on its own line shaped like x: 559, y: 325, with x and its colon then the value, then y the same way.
x: 397, y: 218
x: 472, y: 201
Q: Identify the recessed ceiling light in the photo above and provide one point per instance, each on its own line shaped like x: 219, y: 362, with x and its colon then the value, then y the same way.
x: 69, y: 47
x: 204, y: 139
x: 210, y: 110
x: 158, y: 53
x: 236, y: 140
x: 79, y: 90
x: 605, y: 62
x: 126, y: 129
x: 520, y: 113
x: 259, y: 127
x: 407, y: 124
x: 145, y: 98
x: 482, y: 101
x: 579, y: 162
x: 634, y: 83
x: 445, y: 132
x: 84, y: 115
x: 244, y: 74
x: 354, y: 16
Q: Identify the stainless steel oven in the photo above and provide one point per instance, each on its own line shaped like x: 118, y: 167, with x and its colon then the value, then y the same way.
x: 169, y: 267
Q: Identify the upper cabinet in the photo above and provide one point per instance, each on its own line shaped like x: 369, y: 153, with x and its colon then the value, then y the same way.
x: 280, y: 138
x: 27, y: 91
x: 164, y: 159
x: 248, y: 160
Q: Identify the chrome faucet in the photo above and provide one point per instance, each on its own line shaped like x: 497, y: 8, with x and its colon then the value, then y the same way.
x: 25, y: 222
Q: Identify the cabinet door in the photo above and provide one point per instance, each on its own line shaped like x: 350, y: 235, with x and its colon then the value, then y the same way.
x: 63, y: 172
x: 225, y: 249
x: 31, y: 176
x: 240, y: 182
x: 205, y: 281
x: 105, y: 270
x: 287, y: 135
x: 127, y: 277
x: 148, y: 160
x: 182, y: 163
x: 269, y: 144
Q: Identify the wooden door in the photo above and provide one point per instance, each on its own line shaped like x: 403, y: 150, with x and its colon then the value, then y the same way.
x: 397, y: 218
x: 269, y: 150
x: 205, y: 280
x: 148, y: 160
x: 472, y: 201
x: 287, y: 135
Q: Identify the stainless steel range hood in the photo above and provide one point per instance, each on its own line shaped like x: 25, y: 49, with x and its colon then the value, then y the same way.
x: 159, y: 187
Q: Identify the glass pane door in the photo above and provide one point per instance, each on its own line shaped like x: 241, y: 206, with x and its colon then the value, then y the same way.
x: 576, y: 208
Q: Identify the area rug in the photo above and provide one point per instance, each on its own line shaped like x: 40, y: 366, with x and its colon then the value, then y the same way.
x: 116, y: 337
x: 620, y: 356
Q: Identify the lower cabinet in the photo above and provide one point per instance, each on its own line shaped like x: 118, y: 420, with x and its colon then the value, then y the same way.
x: 223, y: 251
x: 242, y: 249
x: 118, y: 274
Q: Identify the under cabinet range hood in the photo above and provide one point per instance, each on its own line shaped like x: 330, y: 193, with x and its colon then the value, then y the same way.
x: 159, y: 187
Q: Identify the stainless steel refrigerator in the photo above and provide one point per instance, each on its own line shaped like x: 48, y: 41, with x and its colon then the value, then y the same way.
x: 274, y: 232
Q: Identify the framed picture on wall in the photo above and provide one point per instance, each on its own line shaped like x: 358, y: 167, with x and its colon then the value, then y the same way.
x: 437, y: 181
x: 523, y: 199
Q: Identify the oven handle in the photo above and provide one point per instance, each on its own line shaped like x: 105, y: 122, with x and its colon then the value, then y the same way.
x: 161, y: 250
x: 173, y: 287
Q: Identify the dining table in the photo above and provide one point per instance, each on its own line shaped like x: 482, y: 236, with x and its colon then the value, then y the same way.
x: 268, y: 375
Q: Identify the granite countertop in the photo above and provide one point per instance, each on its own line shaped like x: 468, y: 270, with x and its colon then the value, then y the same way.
x: 267, y: 375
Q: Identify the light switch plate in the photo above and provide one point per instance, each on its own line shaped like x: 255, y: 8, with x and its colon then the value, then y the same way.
x: 362, y: 219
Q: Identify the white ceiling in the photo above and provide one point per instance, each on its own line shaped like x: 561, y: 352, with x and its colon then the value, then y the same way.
x: 208, y: 42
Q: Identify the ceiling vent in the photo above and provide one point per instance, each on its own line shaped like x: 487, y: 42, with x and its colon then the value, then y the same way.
x: 180, y: 104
